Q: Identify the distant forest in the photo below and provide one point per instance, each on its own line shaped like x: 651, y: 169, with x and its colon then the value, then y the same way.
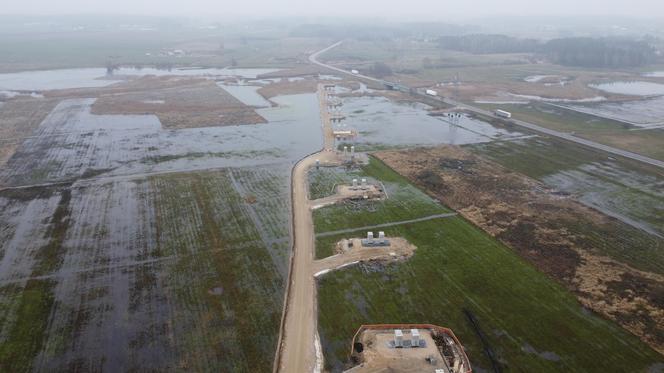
x: 581, y: 51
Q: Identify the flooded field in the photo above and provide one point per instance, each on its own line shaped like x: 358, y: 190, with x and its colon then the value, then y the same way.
x: 633, y: 88
x: 631, y: 195
x: 641, y: 113
x: 382, y: 123
x: 99, y: 277
x: 99, y: 77
x: 247, y: 94
x: 114, y: 213
x: 72, y: 143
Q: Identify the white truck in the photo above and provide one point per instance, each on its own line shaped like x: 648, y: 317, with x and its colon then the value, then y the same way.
x: 503, y: 114
x: 431, y: 92
x: 354, y: 72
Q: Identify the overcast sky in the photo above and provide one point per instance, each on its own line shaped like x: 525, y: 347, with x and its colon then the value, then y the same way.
x: 431, y: 9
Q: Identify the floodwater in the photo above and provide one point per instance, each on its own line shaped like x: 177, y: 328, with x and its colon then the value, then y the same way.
x: 655, y: 74
x: 97, y: 77
x: 380, y: 122
x: 247, y: 94
x: 539, y: 78
x: 71, y: 142
x: 631, y: 197
x: 634, y: 88
x: 640, y: 113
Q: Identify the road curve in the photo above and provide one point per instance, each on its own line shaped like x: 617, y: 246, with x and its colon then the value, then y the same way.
x: 533, y: 127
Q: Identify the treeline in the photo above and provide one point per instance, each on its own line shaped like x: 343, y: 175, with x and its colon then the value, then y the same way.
x: 589, y: 52
x: 579, y: 51
x: 486, y: 43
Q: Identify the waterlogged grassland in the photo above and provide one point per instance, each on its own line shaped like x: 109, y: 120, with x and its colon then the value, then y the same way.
x: 605, y: 131
x: 404, y: 202
x: 532, y: 324
x: 172, y: 272
x: 226, y: 280
x: 628, y: 191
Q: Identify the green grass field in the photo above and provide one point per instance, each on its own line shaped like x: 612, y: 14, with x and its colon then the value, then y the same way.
x: 208, y: 225
x: 404, y: 202
x: 532, y: 323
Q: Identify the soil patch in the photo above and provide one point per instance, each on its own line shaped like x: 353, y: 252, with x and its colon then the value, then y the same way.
x: 20, y: 118
x: 179, y: 103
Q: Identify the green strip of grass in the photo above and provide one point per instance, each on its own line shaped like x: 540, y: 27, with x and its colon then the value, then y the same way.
x: 26, y: 334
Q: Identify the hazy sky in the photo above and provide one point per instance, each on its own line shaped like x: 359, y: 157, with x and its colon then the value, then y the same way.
x: 432, y: 9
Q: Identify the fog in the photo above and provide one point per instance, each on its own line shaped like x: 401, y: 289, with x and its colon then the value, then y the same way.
x: 425, y: 9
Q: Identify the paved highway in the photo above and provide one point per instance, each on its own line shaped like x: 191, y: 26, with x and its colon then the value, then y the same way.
x: 533, y: 127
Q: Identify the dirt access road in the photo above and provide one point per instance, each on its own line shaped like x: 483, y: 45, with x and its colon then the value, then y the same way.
x: 299, y: 348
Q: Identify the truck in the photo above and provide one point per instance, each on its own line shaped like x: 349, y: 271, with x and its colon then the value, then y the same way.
x: 503, y: 114
x: 354, y: 72
x: 431, y: 92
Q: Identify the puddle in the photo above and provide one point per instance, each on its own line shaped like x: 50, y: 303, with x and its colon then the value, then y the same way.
x: 247, y: 94
x: 546, y: 355
x: 363, y: 89
x: 380, y: 121
x: 329, y: 77
x: 12, y: 94
x: 634, y: 88
x: 538, y: 78
x: 98, y: 77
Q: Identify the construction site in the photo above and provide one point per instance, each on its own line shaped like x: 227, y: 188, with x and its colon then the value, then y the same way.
x: 407, y: 348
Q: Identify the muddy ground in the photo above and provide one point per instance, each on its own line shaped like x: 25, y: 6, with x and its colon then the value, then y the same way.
x: 20, y: 117
x: 287, y: 87
x: 179, y: 103
x: 572, y: 243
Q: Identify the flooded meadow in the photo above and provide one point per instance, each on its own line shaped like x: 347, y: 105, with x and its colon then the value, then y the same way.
x: 381, y: 123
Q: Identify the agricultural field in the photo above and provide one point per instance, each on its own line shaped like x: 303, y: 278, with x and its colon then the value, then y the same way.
x: 110, y: 264
x: 404, y: 202
x: 595, y: 256
x: 103, y: 44
x: 134, y: 239
x: 627, y: 191
x: 456, y: 268
x: 491, y: 77
x: 605, y: 131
